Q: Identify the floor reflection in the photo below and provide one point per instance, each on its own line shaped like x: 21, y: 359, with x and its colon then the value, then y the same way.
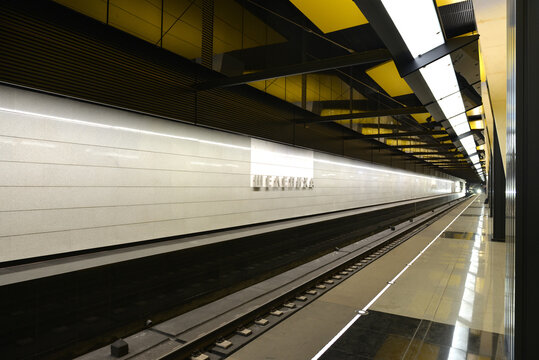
x: 381, y: 335
x: 461, y: 235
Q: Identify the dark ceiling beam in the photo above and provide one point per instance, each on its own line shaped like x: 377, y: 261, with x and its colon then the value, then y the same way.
x: 439, y: 52
x: 364, y: 104
x: 438, y: 153
x: 468, y: 91
x: 453, y: 165
x: 475, y: 117
x: 447, y: 161
x: 368, y: 114
x: 421, y: 146
x: 361, y: 104
x: 356, y: 104
x: 386, y: 30
x: 286, y: 22
x: 381, y: 126
x: 452, y: 162
x: 366, y: 57
x: 463, y: 167
x: 408, y: 100
x: 403, y: 134
x: 439, y: 158
x: 443, y: 138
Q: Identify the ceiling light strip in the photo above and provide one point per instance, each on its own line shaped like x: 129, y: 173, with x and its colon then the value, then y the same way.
x: 420, y: 29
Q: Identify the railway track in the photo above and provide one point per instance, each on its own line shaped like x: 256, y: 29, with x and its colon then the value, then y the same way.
x: 217, y: 329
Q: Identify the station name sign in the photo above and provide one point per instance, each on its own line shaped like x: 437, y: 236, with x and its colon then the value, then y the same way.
x: 281, y: 182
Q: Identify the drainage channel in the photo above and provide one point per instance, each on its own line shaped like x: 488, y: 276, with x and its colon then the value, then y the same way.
x: 218, y: 329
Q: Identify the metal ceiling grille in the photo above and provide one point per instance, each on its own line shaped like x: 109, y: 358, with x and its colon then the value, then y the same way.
x: 458, y: 18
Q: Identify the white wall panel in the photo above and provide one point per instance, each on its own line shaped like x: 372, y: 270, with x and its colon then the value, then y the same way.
x: 77, y: 176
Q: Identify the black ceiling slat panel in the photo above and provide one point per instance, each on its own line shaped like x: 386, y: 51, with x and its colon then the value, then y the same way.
x: 458, y: 18
x: 60, y: 62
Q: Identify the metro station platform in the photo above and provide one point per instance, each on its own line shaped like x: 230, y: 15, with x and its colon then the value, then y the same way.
x: 439, y: 295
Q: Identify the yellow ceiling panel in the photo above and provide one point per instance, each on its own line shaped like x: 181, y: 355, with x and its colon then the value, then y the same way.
x: 96, y: 9
x: 372, y: 131
x: 478, y: 110
x: 477, y: 125
x: 330, y: 112
x: 260, y: 85
x: 387, y: 76
x: 447, y: 2
x: 331, y: 15
x: 397, y: 142
x: 421, y: 118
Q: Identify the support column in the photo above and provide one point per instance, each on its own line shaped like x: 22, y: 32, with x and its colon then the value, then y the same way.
x: 490, y: 188
x: 498, y: 201
x: 522, y: 292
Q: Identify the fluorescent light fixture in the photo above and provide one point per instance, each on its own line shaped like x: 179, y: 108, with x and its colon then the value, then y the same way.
x: 452, y: 105
x: 457, y: 120
x: 461, y: 129
x: 440, y: 77
x: 468, y: 143
x: 474, y: 159
x: 417, y: 23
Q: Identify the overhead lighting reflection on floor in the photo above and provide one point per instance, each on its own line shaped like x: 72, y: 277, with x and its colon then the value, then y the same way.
x: 466, y: 310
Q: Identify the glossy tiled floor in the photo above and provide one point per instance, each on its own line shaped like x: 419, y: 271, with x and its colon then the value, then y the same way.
x: 459, y: 280
x: 386, y: 336
x: 447, y: 305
